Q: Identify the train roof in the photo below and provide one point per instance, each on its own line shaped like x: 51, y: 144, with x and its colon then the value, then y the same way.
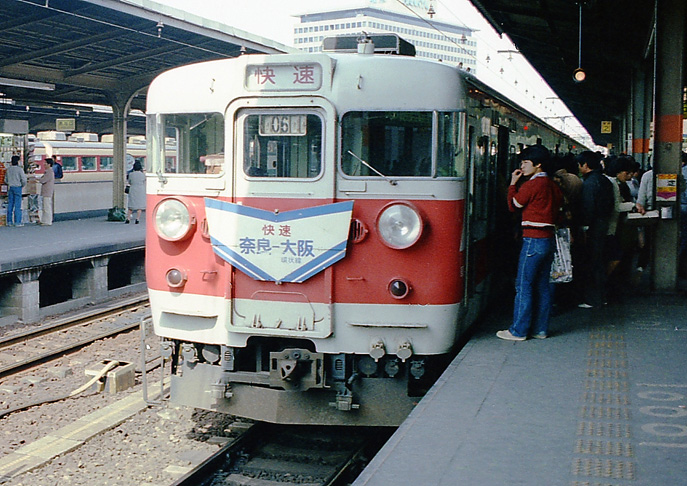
x: 351, y: 81
x: 472, y: 82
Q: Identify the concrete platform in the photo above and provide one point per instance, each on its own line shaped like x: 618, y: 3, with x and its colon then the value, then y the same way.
x: 49, y: 270
x: 601, y: 402
x: 33, y: 245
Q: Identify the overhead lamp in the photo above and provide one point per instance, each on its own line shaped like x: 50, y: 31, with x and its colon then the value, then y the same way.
x: 430, y: 11
x: 23, y: 83
x: 578, y: 74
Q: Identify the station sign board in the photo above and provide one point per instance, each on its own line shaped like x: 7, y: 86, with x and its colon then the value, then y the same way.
x: 65, y: 124
x: 666, y: 187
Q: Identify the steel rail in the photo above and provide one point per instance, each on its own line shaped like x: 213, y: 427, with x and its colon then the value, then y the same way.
x: 74, y: 321
x: 206, y: 469
x: 59, y: 352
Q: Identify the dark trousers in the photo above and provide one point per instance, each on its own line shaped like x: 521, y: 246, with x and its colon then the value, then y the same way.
x: 594, y: 267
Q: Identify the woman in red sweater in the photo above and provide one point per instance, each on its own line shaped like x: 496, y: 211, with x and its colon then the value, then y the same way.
x: 539, y: 199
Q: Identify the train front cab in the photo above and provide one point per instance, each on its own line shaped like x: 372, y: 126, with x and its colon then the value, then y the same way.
x: 355, y: 334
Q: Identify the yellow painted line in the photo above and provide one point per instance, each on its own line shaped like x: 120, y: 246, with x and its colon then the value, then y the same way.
x: 661, y: 444
x: 39, y: 452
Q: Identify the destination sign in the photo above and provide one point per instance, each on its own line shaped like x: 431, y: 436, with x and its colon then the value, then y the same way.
x: 284, y: 77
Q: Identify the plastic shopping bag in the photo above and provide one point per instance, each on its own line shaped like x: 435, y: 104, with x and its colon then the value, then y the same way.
x: 561, y: 268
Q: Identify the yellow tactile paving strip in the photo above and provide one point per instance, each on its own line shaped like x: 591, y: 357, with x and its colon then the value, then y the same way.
x: 70, y: 437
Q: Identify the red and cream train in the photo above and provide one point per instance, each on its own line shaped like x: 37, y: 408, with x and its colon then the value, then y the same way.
x: 327, y: 234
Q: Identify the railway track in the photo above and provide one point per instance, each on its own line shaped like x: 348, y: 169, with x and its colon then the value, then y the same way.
x: 39, y: 345
x: 271, y: 455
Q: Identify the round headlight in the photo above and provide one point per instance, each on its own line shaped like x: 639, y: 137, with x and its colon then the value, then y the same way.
x: 173, y: 220
x: 400, y: 226
x: 175, y: 277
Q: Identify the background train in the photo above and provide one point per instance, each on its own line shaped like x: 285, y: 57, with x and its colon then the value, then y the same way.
x: 86, y: 188
x: 330, y: 230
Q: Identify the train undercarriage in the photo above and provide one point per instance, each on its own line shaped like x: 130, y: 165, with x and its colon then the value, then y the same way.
x: 290, y: 383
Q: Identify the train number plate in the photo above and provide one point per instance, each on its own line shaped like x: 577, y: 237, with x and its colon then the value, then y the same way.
x: 284, y: 125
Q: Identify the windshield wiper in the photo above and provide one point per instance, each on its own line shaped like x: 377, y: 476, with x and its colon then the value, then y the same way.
x: 390, y: 181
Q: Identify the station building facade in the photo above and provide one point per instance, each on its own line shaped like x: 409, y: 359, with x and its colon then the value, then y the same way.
x: 432, y: 39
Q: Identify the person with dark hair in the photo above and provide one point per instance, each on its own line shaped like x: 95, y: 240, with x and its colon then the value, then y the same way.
x: 15, y: 178
x: 644, y: 203
x: 137, y: 192
x: 570, y: 183
x: 567, y: 178
x: 682, y: 255
x: 620, y: 240
x: 635, y: 176
x: 598, y: 203
x: 539, y: 199
x: 47, y: 181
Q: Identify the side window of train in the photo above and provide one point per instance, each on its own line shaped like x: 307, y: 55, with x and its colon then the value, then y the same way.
x: 194, y: 143
x: 386, y: 143
x: 88, y: 163
x: 482, y: 175
x: 106, y: 163
x: 451, y: 149
x: 282, y: 145
x: 69, y: 164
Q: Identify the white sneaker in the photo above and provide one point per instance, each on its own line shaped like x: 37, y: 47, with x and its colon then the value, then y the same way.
x: 584, y: 305
x: 506, y: 334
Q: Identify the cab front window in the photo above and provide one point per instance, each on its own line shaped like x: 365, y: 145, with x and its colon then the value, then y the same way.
x: 281, y: 144
x: 387, y: 143
x: 189, y: 143
x: 402, y: 144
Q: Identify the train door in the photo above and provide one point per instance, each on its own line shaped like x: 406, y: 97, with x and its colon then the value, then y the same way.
x: 471, y: 214
x: 477, y: 212
x: 282, y: 203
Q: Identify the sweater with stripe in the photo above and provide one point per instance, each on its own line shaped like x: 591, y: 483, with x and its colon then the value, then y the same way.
x: 540, y: 200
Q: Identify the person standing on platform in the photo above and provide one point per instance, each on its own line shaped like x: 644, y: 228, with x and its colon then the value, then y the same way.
x: 644, y: 203
x: 57, y: 169
x: 571, y: 186
x: 682, y: 255
x: 16, y: 180
x: 598, y: 203
x: 47, y: 181
x: 137, y: 192
x: 540, y: 200
x: 633, y: 183
x: 621, y: 240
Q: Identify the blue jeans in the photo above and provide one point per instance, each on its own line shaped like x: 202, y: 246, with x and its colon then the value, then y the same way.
x: 533, y: 292
x: 14, y: 205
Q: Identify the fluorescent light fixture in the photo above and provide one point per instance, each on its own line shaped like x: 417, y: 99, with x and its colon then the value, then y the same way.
x: 23, y: 83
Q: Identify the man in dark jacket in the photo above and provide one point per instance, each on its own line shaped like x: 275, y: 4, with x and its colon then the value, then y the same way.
x: 597, y: 206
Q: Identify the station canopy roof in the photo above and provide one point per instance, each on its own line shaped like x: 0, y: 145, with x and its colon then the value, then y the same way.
x: 54, y: 53
x: 616, y: 36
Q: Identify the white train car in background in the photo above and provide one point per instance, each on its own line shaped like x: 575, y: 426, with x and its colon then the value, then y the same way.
x: 87, y: 162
